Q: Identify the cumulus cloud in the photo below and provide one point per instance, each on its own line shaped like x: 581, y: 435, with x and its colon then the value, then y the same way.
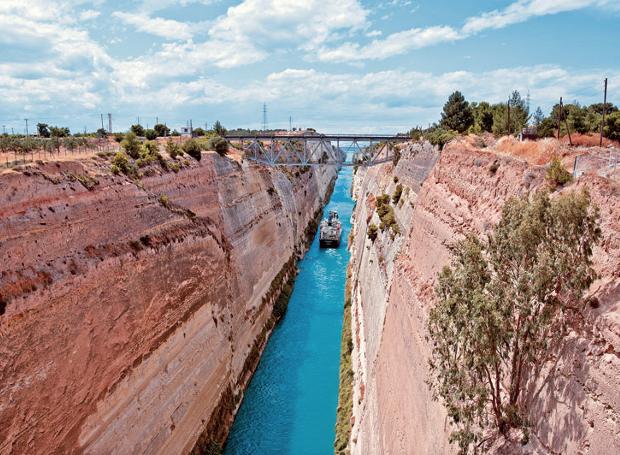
x: 164, y: 28
x: 395, y: 44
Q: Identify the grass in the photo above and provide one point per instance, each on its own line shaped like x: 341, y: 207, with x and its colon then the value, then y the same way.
x: 345, y: 389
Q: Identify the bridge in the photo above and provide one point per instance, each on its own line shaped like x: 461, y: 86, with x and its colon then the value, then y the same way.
x: 318, y: 149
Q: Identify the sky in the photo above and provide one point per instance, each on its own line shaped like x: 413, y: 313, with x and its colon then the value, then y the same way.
x: 335, y: 65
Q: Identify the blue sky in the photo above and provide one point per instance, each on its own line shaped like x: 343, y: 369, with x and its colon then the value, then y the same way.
x: 337, y: 66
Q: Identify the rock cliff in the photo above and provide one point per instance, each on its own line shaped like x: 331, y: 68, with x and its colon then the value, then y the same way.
x: 574, y: 409
x: 133, y: 312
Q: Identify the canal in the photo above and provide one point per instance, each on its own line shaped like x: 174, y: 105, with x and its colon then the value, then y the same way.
x: 290, y: 405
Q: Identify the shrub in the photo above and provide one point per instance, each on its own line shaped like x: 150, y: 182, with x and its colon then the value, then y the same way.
x: 557, y: 175
x: 192, y: 148
x: 397, y: 194
x: 150, y: 134
x: 612, y: 126
x: 131, y: 145
x: 494, y: 167
x: 163, y: 200
x: 173, y: 149
x: 440, y: 137
x: 120, y: 163
x: 138, y: 130
x: 386, y: 214
x: 372, y: 232
x: 503, y: 309
x: 219, y: 144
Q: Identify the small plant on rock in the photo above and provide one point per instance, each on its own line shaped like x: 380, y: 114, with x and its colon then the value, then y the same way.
x: 557, y: 175
x: 372, y: 232
x: 192, y: 148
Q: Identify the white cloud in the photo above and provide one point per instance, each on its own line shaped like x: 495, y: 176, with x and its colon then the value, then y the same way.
x: 523, y: 10
x: 89, y: 14
x: 394, y: 44
x: 164, y: 28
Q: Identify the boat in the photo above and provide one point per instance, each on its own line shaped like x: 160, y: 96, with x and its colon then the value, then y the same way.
x: 330, y: 231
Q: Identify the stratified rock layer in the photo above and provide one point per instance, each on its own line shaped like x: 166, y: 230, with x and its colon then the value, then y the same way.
x: 134, y: 313
x: 463, y: 189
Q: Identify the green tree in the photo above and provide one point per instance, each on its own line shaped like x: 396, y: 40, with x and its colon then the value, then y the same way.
x: 161, y: 130
x: 502, y: 309
x: 150, y: 134
x: 457, y: 114
x: 173, y: 149
x: 219, y: 129
x: 101, y: 133
x: 538, y: 116
x: 131, y: 145
x: 612, y: 126
x: 57, y: 131
x: 199, y: 132
x: 483, y: 117
x: 577, y: 118
x: 137, y: 129
x: 43, y: 130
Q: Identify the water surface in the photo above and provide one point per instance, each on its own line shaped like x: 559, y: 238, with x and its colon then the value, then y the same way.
x: 290, y: 404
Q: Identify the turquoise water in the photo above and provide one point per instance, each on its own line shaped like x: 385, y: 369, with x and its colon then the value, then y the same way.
x: 290, y: 404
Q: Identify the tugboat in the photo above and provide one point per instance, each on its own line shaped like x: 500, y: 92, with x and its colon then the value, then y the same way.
x: 330, y: 231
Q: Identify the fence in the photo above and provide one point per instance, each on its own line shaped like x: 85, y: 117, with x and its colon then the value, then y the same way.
x: 604, y: 164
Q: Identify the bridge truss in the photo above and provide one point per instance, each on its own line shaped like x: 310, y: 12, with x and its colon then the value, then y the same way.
x: 318, y: 150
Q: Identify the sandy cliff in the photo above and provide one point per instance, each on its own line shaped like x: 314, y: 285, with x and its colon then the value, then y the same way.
x: 578, y: 406
x: 133, y: 313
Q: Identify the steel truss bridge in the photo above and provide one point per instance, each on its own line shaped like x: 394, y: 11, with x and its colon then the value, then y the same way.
x: 318, y: 149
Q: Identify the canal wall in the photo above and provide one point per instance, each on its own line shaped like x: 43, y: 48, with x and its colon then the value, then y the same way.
x: 134, y: 311
x: 445, y: 195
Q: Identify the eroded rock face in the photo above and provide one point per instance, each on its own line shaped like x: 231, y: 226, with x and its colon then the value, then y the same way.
x: 574, y: 409
x: 134, y: 313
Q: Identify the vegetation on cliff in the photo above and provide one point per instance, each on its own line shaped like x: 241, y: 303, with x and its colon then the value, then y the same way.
x: 345, y: 389
x: 504, y: 304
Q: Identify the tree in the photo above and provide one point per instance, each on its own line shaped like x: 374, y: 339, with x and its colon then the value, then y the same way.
x: 612, y: 126
x: 101, y: 133
x: 511, y: 117
x: 57, y: 131
x: 199, y: 132
x: 219, y: 129
x: 161, y: 130
x: 577, y: 118
x: 43, y: 130
x: 503, y: 308
x: 483, y: 117
x: 137, y: 129
x: 457, y: 114
x: 538, y: 116
x: 131, y: 145
x: 173, y: 149
x: 150, y: 134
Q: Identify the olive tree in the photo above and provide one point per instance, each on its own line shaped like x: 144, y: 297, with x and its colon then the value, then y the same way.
x: 501, y: 306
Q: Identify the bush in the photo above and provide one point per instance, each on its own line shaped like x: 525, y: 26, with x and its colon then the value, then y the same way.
x: 397, y: 194
x: 150, y: 134
x: 386, y: 214
x: 219, y: 144
x: 138, y: 130
x: 192, y: 148
x: 440, y: 137
x: 131, y: 145
x: 557, y: 175
x: 163, y: 200
x: 173, y: 149
x: 120, y: 163
x: 372, y: 232
x: 504, y: 306
x: 612, y: 126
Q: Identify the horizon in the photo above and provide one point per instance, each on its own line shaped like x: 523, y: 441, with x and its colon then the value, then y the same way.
x: 354, y: 67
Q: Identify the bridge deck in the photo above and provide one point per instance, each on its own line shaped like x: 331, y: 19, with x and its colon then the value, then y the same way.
x: 324, y: 137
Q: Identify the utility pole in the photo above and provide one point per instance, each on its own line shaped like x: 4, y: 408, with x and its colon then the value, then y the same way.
x: 264, y: 116
x: 102, y: 122
x: 156, y: 120
x: 290, y: 123
x: 109, y: 123
x: 3, y: 129
x: 604, y: 109
x: 138, y: 119
x: 570, y: 140
x: 26, y: 126
x: 191, y: 128
x: 509, y: 126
